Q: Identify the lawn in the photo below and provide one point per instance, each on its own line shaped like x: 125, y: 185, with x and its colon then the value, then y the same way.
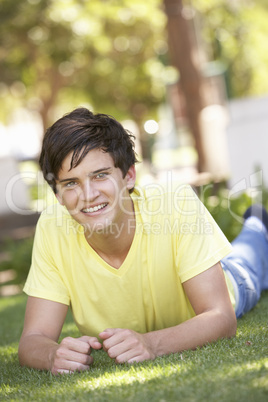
x: 228, y: 370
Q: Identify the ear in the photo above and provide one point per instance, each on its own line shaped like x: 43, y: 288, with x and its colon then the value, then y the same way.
x: 131, y: 177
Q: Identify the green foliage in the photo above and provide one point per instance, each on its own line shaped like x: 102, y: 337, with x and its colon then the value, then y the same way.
x: 19, y: 254
x: 235, y: 32
x: 99, y: 53
x: 113, y: 55
x: 229, y: 370
x: 228, y: 210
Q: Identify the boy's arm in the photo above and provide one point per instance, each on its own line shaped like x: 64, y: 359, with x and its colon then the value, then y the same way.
x: 38, y: 347
x: 215, y: 318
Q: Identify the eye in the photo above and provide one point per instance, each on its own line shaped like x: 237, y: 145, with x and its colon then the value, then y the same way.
x: 101, y: 176
x: 70, y: 184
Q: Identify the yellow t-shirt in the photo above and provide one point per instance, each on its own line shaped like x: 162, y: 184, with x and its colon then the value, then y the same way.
x: 175, y: 239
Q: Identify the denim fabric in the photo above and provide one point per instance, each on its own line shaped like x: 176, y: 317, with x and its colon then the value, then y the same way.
x: 248, y: 264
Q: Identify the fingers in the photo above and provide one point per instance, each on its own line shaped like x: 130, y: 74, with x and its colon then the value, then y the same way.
x: 63, y: 353
x: 92, y: 341
x: 107, y: 333
x: 69, y: 366
x: 74, y: 354
x: 125, y: 345
x: 112, y: 337
x: 61, y: 371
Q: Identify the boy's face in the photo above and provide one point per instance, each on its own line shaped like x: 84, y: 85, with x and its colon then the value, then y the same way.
x: 95, y: 192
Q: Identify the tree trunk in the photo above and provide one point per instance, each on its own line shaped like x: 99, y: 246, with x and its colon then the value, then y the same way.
x: 184, y: 55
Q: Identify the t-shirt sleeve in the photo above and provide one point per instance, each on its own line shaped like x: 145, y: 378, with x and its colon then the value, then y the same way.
x: 200, y: 241
x: 44, y: 279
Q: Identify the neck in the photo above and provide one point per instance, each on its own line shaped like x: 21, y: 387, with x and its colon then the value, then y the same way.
x: 113, y: 243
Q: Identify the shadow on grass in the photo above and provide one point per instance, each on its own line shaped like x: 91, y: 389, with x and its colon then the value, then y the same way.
x: 11, y: 317
x: 12, y: 310
x: 228, y: 370
x: 166, y: 379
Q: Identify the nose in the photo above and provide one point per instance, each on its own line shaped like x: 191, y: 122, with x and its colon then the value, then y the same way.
x: 89, y: 191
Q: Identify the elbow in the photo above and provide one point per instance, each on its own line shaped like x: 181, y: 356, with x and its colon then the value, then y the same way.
x: 225, y: 323
x: 233, y: 327
x: 23, y: 351
x: 20, y: 354
x: 230, y: 324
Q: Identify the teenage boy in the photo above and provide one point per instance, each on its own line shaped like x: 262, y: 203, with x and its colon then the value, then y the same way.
x: 139, y: 268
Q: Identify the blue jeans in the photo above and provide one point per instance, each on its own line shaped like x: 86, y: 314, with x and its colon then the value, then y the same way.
x: 247, y: 265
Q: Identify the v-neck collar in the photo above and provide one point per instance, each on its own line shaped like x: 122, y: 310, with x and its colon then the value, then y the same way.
x: 130, y: 255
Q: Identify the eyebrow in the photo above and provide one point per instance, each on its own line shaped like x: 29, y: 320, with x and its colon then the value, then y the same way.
x: 90, y: 174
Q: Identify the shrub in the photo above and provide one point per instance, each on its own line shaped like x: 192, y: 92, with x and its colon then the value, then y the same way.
x: 19, y: 258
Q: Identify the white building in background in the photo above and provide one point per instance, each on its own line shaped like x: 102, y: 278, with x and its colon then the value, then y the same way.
x: 22, y: 137
x: 247, y: 139
x: 236, y: 144
x: 19, y: 141
x: 14, y: 196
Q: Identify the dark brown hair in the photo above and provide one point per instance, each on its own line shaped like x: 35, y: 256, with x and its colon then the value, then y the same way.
x: 79, y: 132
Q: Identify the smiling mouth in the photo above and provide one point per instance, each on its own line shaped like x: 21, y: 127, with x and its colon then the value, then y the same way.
x: 96, y: 208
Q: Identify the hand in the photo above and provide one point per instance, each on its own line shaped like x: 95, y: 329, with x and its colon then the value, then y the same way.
x: 125, y: 345
x: 73, y: 354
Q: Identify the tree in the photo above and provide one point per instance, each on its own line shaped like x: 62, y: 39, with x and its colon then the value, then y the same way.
x: 103, y: 53
x: 184, y: 54
x: 235, y: 33
x: 230, y: 32
x: 112, y: 55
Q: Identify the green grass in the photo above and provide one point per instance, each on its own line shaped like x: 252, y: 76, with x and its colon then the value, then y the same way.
x: 228, y: 370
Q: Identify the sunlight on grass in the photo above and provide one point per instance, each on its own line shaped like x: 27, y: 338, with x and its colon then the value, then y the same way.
x: 230, y: 370
x: 249, y: 367
x: 135, y: 374
x: 261, y: 382
x: 9, y: 350
x: 7, y: 390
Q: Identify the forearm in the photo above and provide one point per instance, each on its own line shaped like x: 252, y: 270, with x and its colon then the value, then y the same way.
x: 215, y: 318
x: 71, y: 354
x: 198, y: 331
x: 36, y: 351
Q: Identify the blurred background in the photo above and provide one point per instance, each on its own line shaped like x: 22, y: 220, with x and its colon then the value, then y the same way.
x: 188, y: 78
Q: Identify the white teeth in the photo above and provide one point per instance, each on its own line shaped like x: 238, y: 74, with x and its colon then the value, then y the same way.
x: 94, y: 209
